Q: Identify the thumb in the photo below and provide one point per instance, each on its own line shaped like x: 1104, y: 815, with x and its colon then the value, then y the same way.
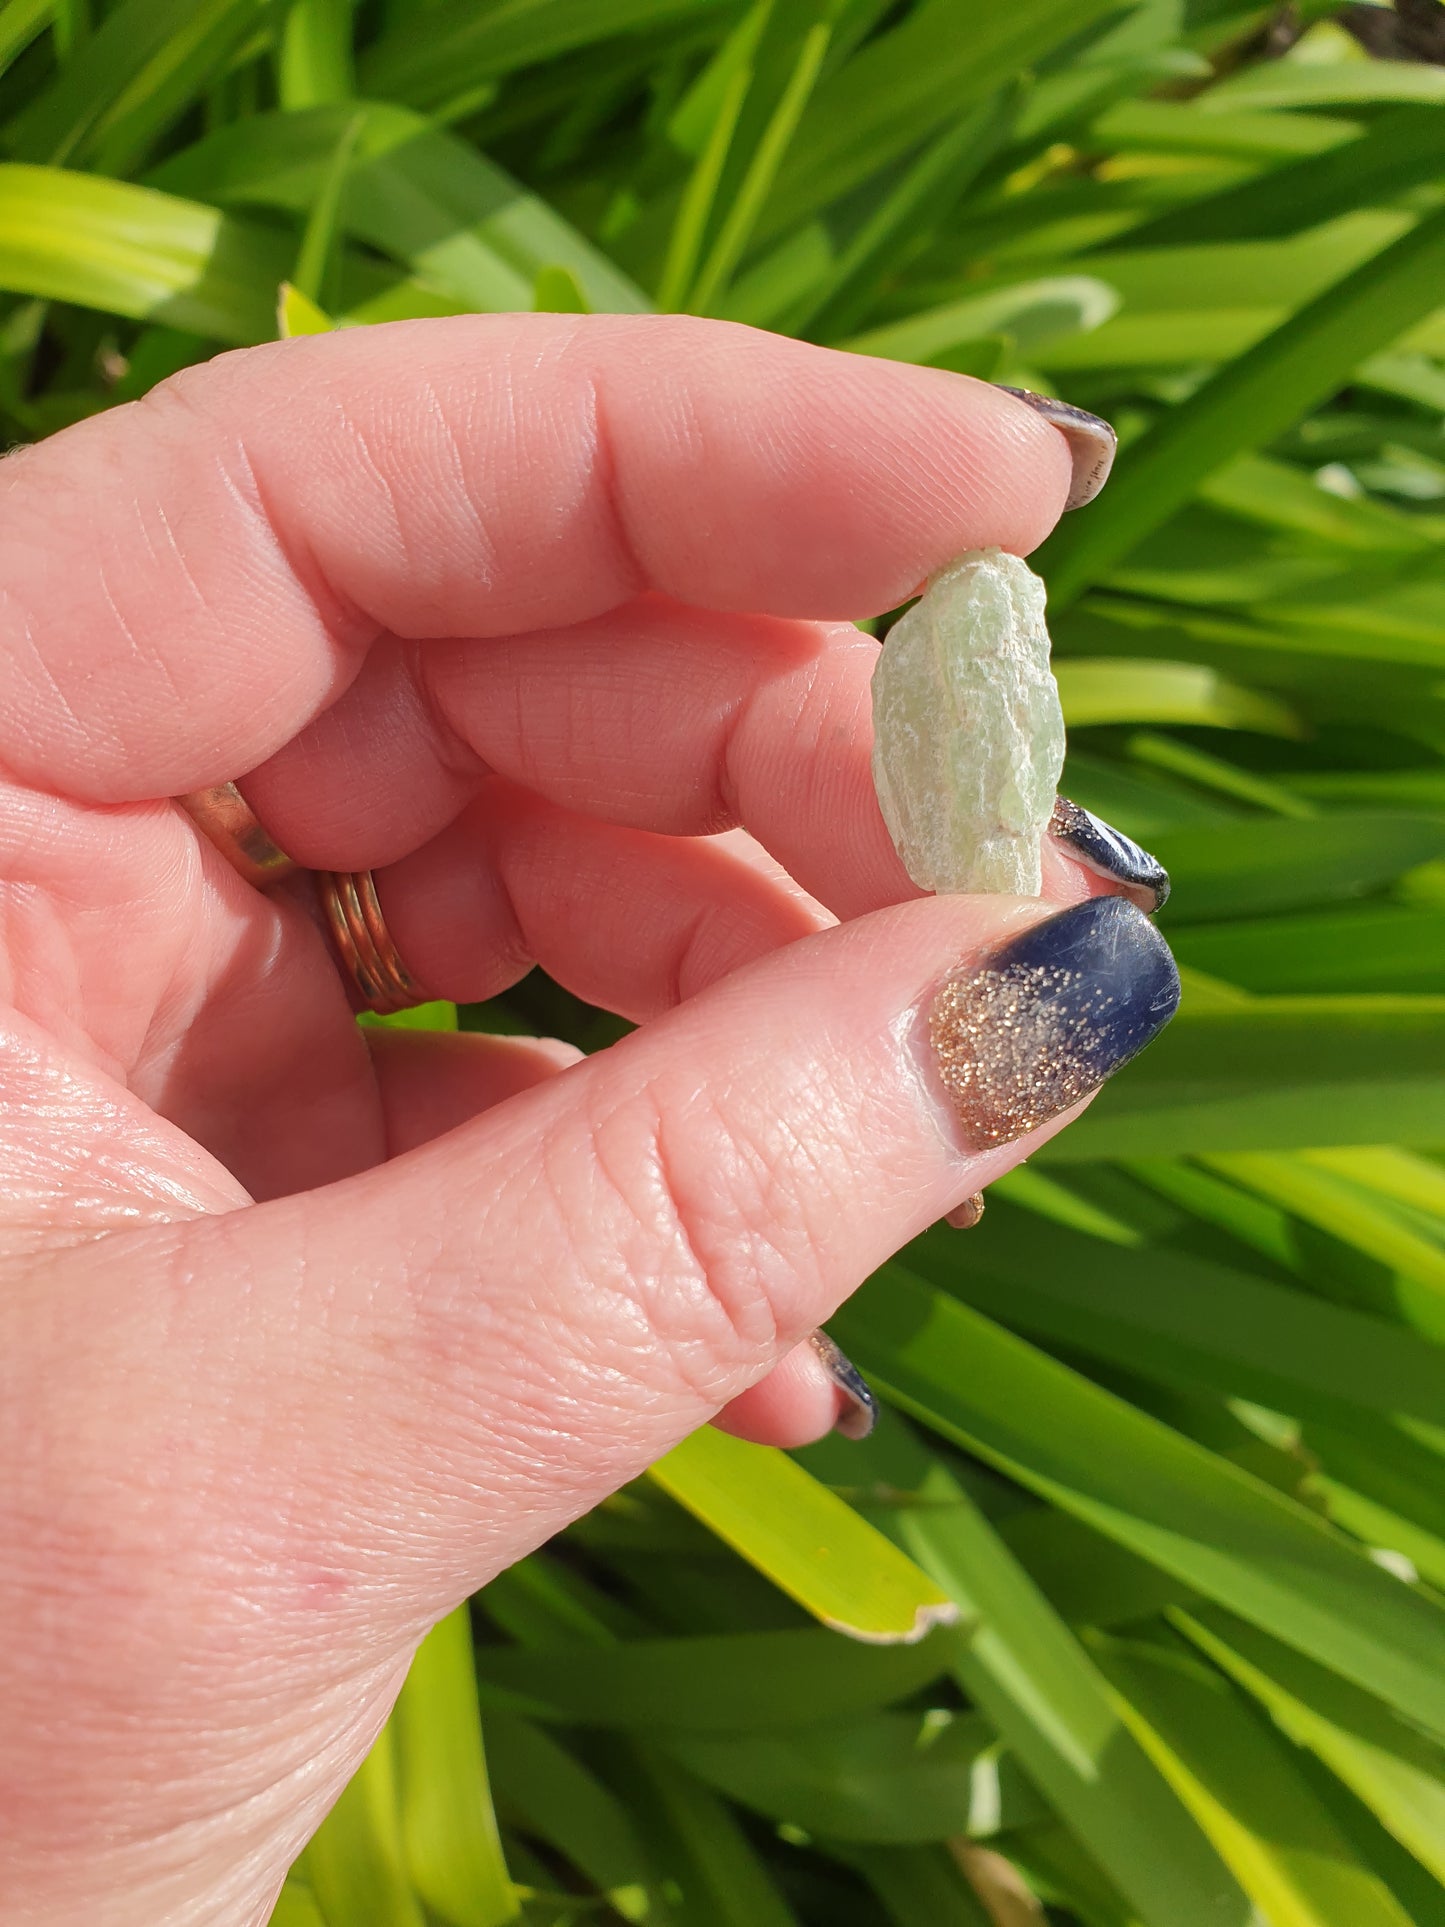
x: 468, y: 1347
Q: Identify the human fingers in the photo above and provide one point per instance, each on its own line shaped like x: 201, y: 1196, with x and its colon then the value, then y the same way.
x: 654, y: 717
x: 528, y: 1311
x: 814, y: 1390
x: 429, y: 1082
x: 624, y: 919
x: 192, y: 578
x: 278, y: 1440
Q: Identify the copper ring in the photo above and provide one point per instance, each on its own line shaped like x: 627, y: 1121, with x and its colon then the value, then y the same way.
x: 363, y: 943
x: 226, y: 819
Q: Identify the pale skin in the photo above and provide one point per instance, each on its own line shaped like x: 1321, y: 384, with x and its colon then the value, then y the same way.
x: 308, y: 1331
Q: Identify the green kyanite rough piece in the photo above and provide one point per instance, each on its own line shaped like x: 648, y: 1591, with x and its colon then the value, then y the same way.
x: 968, y: 735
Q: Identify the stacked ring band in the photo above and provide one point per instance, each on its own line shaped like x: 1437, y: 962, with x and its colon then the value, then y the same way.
x: 363, y: 942
x: 224, y: 816
x: 364, y: 946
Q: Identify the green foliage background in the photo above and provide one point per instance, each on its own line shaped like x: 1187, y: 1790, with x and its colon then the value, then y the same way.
x: 1163, y: 1461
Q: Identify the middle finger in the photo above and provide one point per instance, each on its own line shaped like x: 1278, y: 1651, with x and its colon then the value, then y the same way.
x: 656, y: 717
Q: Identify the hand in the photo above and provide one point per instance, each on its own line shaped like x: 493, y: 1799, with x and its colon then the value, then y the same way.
x: 309, y: 1330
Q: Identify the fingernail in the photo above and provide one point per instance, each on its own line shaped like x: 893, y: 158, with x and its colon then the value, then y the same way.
x: 1109, y: 853
x: 860, y: 1414
x: 1092, y: 441
x: 1049, y: 1016
x: 965, y: 1216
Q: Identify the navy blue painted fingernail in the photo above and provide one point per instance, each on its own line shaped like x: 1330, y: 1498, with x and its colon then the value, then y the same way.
x: 1048, y: 1017
x: 860, y: 1414
x: 1092, y: 441
x: 1109, y: 853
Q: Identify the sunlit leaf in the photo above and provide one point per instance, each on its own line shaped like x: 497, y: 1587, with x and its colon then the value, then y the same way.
x: 805, y: 1538
x: 1252, y: 399
x: 1159, y: 1493
x: 448, y: 1830
x: 1239, y: 1781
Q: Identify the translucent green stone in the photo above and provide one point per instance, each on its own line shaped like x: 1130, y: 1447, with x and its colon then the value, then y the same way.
x: 968, y: 733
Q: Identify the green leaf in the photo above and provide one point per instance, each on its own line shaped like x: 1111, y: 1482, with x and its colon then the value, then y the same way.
x: 1132, y: 690
x: 805, y: 1538
x: 745, y: 206
x: 1254, y: 1077
x: 449, y: 1833
x: 316, y: 264
x: 709, y: 1684
x: 1175, y: 127
x: 134, y: 53
x: 1241, y: 1785
x: 724, y: 89
x: 920, y: 199
x: 1023, y: 1668
x: 1249, y: 402
x: 1397, y: 1772
x: 558, y: 291
x: 1177, y: 1317
x: 1389, y: 157
x: 1270, y: 865
x: 419, y: 195
x: 21, y: 21
x: 905, y: 84
x: 704, y: 1850
x: 1216, y: 1527
x: 545, y: 1789
x: 314, y: 63
x: 295, y: 1907
x: 1300, y: 84
x: 1212, y: 772
x: 921, y: 1884
x: 1031, y: 313
x: 130, y: 251
x: 355, y: 1864
x: 298, y: 314
x: 893, y: 1778
x: 1413, y: 1286
x: 463, y: 45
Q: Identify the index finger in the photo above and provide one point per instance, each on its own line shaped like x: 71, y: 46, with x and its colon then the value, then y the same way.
x: 187, y: 581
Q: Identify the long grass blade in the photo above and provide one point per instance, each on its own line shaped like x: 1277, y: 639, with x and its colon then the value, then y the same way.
x: 805, y: 1538
x: 1252, y: 400
x: 1222, y: 1531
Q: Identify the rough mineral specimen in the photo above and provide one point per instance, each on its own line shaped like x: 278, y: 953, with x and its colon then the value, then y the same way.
x: 968, y: 732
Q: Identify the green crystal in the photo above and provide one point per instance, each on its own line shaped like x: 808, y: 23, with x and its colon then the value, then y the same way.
x: 968, y: 734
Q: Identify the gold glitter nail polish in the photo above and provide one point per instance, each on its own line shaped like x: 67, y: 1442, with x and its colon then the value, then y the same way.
x: 965, y: 1216
x: 1047, y: 1018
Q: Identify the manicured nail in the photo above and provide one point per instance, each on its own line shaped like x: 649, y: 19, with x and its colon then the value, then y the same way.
x: 1049, y: 1016
x: 861, y: 1412
x: 965, y: 1216
x: 1092, y: 441
x: 1109, y: 853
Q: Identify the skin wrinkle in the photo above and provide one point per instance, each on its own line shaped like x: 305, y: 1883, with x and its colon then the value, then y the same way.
x: 348, y: 628
x: 447, y: 744
x: 603, y: 465
x: 363, y: 455
x: 343, y: 622
x: 721, y: 1205
x: 41, y: 665
x: 659, y: 1268
x: 445, y: 438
